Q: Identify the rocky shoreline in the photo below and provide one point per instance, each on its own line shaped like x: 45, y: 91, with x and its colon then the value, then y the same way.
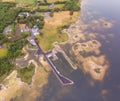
x: 83, y: 49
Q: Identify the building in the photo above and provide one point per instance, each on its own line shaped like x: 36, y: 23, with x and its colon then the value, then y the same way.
x: 35, y: 30
x: 26, y: 14
x: 8, y: 30
x: 51, y: 6
x: 32, y: 41
x: 46, y: 15
x: 25, y: 29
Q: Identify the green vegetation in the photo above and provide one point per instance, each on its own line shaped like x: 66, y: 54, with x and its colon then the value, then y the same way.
x: 3, y: 52
x: 56, y: 1
x: 13, y: 27
x: 52, y: 29
x: 25, y: 34
x: 52, y: 13
x: 3, y: 39
x: 7, y: 55
x: 61, y: 5
x: 72, y: 5
x: 7, y: 14
x: 5, y: 67
x: 26, y: 73
x: 94, y: 42
x: 45, y: 6
x: 97, y: 70
x: 27, y: 2
x: 15, y: 48
x: 31, y: 21
x: 75, y: 47
x: 60, y: 28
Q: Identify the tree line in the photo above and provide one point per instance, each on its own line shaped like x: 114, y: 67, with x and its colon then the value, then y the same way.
x: 72, y: 5
x: 7, y: 14
x: 30, y: 21
x: 14, y: 51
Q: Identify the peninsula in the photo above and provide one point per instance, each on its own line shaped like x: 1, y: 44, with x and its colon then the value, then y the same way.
x: 40, y: 36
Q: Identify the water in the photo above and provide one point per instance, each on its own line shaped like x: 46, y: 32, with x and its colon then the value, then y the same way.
x: 86, y: 89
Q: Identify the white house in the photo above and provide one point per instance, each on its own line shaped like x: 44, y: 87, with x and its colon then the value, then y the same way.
x: 35, y: 30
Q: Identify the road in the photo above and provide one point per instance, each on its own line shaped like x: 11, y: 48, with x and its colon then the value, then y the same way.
x: 64, y: 80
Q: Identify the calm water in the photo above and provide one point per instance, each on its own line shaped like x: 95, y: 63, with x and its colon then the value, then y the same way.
x: 85, y: 89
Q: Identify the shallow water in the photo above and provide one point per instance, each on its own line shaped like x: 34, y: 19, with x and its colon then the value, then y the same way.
x: 85, y: 89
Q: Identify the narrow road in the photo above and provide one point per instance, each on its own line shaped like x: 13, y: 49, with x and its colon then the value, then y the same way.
x: 64, y: 80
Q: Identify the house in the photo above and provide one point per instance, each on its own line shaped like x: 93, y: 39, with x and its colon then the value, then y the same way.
x: 20, y: 5
x: 51, y: 6
x: 35, y: 30
x: 8, y: 30
x: 32, y: 41
x: 25, y: 29
x: 26, y: 14
x: 46, y: 15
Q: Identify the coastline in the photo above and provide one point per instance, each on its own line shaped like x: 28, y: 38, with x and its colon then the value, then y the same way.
x: 87, y: 50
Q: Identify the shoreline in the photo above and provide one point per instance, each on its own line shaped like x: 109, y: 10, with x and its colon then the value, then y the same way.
x: 79, y: 38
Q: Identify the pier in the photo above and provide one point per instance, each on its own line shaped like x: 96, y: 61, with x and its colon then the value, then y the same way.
x: 64, y: 80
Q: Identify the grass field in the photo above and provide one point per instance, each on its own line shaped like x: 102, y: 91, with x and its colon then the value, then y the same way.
x: 43, y: 7
x: 56, y: 6
x: 3, y: 52
x: 51, y: 1
x: 8, y: 0
x: 26, y: 1
x: 59, y: 6
x: 21, y: 1
x: 50, y: 30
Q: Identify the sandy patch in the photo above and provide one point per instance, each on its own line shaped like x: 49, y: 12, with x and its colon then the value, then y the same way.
x: 92, y: 63
x: 10, y: 86
x: 89, y: 46
x: 60, y: 18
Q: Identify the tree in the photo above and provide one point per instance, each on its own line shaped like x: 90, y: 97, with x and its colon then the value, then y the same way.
x: 7, y: 14
x: 72, y: 5
x: 45, y: 1
x: 71, y: 12
x: 52, y: 13
x: 3, y: 39
x: 31, y: 21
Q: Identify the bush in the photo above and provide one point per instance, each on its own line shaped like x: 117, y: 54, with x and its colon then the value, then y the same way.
x: 26, y: 73
x: 60, y: 2
x: 5, y: 67
x: 31, y: 21
x: 15, y: 48
x: 3, y: 39
x: 71, y: 12
x: 97, y: 70
x: 52, y: 13
x: 72, y: 5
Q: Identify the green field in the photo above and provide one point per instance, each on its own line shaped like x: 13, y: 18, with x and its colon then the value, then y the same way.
x: 26, y: 1
x: 3, y: 52
x: 26, y: 73
x: 51, y: 28
x: 51, y: 1
x: 56, y: 6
